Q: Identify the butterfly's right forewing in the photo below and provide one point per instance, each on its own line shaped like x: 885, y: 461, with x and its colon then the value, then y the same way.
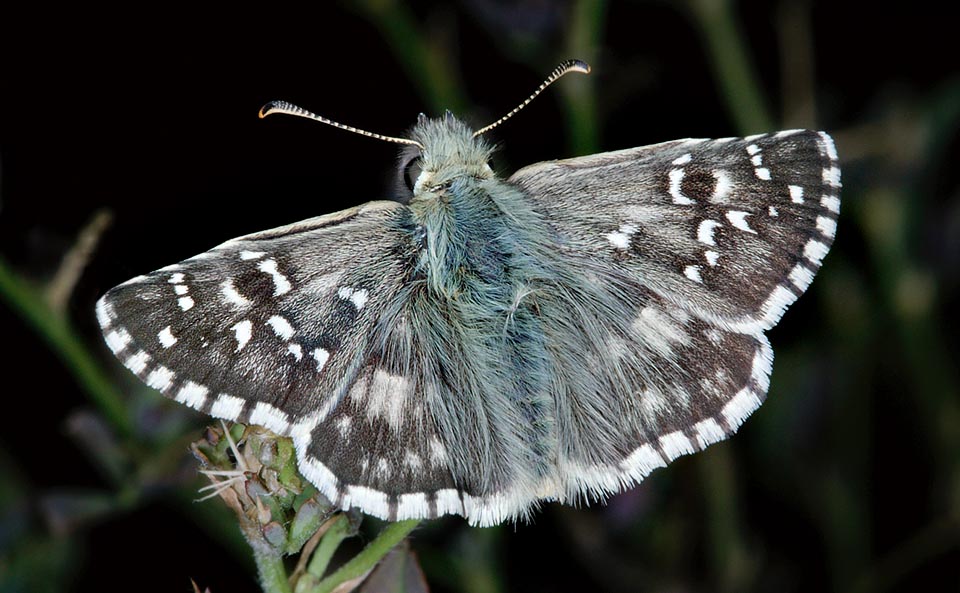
x: 732, y: 230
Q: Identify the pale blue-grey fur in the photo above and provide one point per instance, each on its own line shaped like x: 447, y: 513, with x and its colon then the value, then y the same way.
x: 519, y: 333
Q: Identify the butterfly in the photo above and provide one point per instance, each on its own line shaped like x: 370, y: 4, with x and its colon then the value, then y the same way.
x: 482, y: 344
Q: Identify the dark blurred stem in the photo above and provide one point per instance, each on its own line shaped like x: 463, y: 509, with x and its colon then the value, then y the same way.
x: 365, y: 561
x: 732, y: 68
x: 731, y: 564
x: 428, y: 65
x: 796, y: 64
x: 29, y: 302
x: 587, y: 19
x: 60, y: 288
x: 932, y: 541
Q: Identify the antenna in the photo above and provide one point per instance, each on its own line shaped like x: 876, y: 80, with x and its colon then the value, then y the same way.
x: 291, y: 109
x: 564, y: 68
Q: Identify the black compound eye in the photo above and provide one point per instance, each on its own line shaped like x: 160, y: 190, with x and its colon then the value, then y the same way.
x: 411, y: 171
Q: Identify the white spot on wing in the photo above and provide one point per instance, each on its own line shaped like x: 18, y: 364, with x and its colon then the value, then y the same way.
x: 176, y: 278
x: 181, y: 289
x: 160, y: 378
x: 227, y: 406
x: 723, y: 187
x: 693, y: 273
x: 676, y: 444
x: 266, y: 415
x: 243, y: 331
x: 231, y: 295
x: 831, y: 176
x: 281, y: 327
x: 321, y: 356
x: 711, y: 256
x: 248, y: 255
x: 296, y: 351
x: 412, y: 506
x: 387, y: 397
x: 772, y: 211
x: 658, y: 331
x: 343, y: 426
x: 827, y: 226
x: 280, y: 283
x: 682, y: 160
x: 753, y: 149
x: 801, y: 276
x: 412, y: 460
x: 796, y: 194
x: 762, y: 173
x: 641, y: 462
x: 105, y: 313
x: 357, y: 297
x: 372, y: 502
x: 192, y: 394
x: 117, y: 340
x: 828, y: 146
x: 814, y: 251
x: 708, y: 432
x: 438, y: 453
x: 739, y: 220
x: 756, y: 160
x: 619, y: 240
x: 166, y: 337
x: 705, y: 231
x: 186, y: 303
x: 676, y: 178
x: 742, y: 405
x: 831, y: 203
x: 138, y: 362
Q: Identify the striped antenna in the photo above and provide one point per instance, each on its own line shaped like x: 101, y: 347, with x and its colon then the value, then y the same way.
x: 563, y: 68
x: 291, y: 109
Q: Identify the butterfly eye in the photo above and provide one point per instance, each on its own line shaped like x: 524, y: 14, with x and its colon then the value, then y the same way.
x: 411, y: 171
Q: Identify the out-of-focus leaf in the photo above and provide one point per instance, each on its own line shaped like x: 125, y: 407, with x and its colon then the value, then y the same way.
x: 68, y: 510
x: 398, y: 572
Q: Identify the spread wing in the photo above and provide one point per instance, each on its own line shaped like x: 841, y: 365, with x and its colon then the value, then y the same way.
x: 732, y: 230
x: 679, y: 256
x: 277, y: 329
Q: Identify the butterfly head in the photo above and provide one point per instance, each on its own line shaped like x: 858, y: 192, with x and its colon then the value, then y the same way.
x: 446, y: 150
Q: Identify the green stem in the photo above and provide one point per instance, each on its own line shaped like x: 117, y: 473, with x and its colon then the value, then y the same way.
x: 731, y: 65
x: 427, y: 64
x: 579, y: 92
x: 364, y: 562
x: 63, y: 340
x: 337, y: 532
x: 273, y: 574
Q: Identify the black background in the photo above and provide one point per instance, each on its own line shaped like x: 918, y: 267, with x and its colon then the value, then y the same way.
x: 151, y: 113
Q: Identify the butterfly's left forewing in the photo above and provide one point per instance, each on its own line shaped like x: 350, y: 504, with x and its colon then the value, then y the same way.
x: 274, y: 329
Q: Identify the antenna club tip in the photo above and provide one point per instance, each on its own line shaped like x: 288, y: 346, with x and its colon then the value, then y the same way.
x: 579, y: 66
x: 267, y: 109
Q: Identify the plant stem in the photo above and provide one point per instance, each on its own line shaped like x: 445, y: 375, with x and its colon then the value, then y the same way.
x: 731, y: 65
x: 337, y: 532
x: 364, y: 562
x: 30, y: 303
